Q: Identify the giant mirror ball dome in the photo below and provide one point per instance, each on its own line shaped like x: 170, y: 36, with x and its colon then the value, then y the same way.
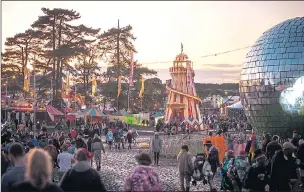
x: 272, y: 80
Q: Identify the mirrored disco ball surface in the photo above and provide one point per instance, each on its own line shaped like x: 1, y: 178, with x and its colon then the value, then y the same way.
x: 272, y: 80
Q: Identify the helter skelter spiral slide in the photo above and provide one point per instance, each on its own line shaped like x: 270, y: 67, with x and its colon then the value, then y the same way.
x: 183, y: 102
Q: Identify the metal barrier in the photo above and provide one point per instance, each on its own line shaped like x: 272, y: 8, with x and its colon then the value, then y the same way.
x: 172, y: 144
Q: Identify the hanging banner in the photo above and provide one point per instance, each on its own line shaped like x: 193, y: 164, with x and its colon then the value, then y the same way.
x: 67, y: 88
x: 142, y: 87
x: 131, y: 83
x: 118, y: 85
x: 94, y: 84
x: 26, y: 85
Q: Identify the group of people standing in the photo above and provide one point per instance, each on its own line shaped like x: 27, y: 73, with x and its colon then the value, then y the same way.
x: 256, y: 166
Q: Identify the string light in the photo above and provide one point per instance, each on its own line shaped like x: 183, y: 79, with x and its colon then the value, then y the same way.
x: 204, y: 56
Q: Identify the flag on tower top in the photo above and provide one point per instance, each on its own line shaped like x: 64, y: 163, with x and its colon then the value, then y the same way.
x: 182, y: 47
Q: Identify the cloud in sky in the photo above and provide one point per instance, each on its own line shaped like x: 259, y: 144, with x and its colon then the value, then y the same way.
x: 204, y: 28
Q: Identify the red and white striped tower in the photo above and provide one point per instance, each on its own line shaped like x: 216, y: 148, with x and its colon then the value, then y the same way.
x: 183, y: 102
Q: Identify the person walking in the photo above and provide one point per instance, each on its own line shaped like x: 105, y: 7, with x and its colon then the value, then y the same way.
x: 143, y: 177
x: 213, y: 157
x: 256, y: 178
x: 65, y: 160
x: 156, y: 148
x: 283, y: 168
x: 82, y: 177
x: 96, y: 148
x: 16, y: 174
x: 272, y: 147
x: 185, y: 167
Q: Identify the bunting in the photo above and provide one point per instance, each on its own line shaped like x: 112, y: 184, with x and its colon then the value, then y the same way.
x: 118, y: 85
x: 94, y: 84
x: 26, y: 85
x: 131, y: 84
x: 142, y: 87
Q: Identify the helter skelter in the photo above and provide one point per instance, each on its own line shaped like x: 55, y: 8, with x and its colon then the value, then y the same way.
x: 183, y: 102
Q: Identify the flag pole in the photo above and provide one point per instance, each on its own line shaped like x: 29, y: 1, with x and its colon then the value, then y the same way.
x: 34, y: 119
x: 75, y: 105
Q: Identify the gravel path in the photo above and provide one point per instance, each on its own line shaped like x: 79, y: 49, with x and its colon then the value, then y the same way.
x: 116, y: 165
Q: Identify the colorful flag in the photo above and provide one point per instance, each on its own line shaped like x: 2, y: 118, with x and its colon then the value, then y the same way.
x: 118, y: 85
x: 131, y: 84
x: 67, y: 88
x: 94, y: 84
x: 142, y: 87
x: 26, y: 85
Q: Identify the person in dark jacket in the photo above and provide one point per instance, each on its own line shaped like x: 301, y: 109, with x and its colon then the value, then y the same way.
x: 38, y: 173
x: 213, y: 157
x: 4, y: 163
x: 300, y: 156
x: 272, y: 147
x: 80, y: 143
x: 129, y: 138
x: 82, y: 177
x: 266, y: 140
x: 256, y: 178
x: 283, y: 169
x: 295, y: 139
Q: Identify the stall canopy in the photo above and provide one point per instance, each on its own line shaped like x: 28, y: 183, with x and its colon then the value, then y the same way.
x: 237, y: 105
x: 158, y: 114
x: 53, y: 113
x: 94, y: 113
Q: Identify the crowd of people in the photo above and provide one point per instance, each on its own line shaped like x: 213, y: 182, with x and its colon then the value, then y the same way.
x: 29, y: 160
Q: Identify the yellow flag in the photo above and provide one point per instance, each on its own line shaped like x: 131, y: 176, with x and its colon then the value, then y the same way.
x: 26, y: 85
x: 94, y: 84
x: 142, y: 87
x: 118, y: 85
x: 67, y: 86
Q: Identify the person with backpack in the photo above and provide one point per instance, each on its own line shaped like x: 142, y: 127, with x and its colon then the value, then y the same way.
x: 82, y: 177
x: 237, y: 170
x: 185, y: 167
x: 226, y: 183
x: 256, y: 178
x: 143, y: 177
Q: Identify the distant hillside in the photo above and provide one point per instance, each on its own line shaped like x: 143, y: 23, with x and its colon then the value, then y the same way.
x: 209, y: 89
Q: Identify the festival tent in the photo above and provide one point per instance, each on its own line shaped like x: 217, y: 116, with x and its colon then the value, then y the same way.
x: 236, y: 111
x: 53, y: 113
x: 94, y: 113
x: 237, y: 105
x: 158, y: 114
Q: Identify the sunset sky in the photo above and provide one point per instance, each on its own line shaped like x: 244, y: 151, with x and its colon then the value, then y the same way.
x: 203, y: 27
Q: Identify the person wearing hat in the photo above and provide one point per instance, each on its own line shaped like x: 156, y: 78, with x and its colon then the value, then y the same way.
x: 143, y: 177
x: 283, y: 168
x: 82, y: 177
x: 256, y: 178
x: 213, y: 156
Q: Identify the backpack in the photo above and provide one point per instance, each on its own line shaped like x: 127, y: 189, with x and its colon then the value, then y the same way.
x: 198, y: 168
